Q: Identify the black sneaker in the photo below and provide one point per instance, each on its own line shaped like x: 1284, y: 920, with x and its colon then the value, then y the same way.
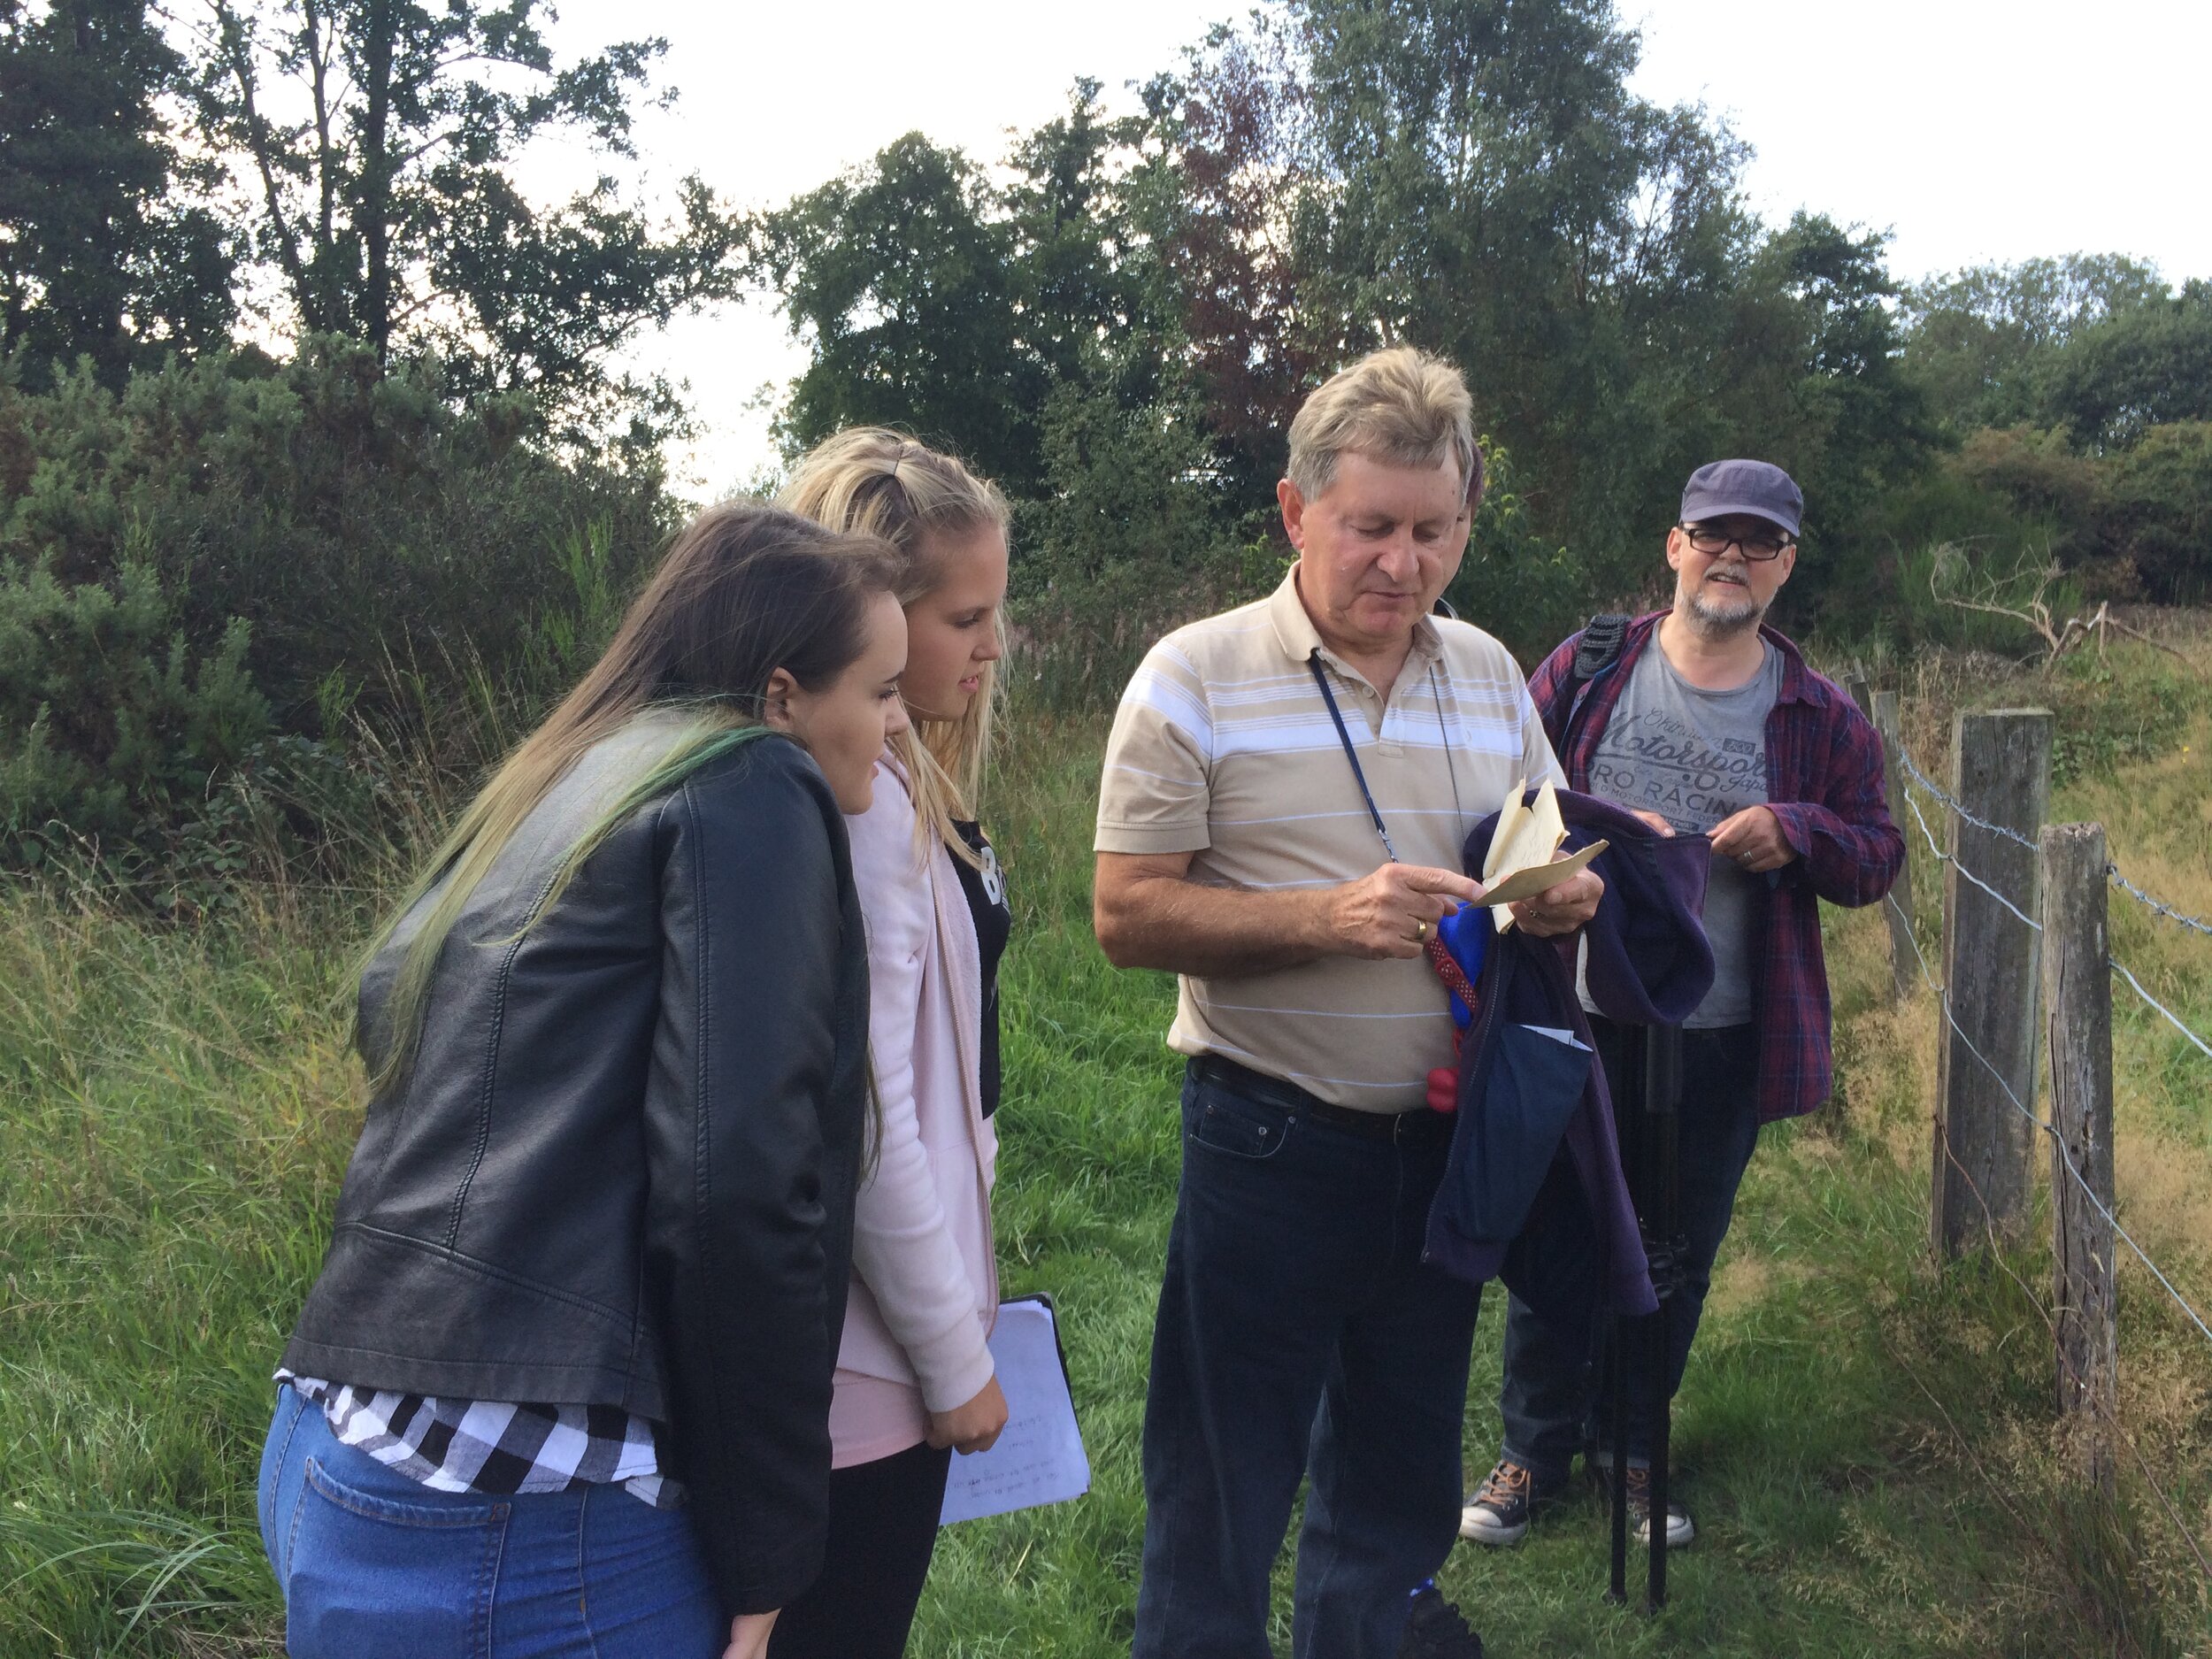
x: 1680, y: 1529
x: 1498, y: 1511
x: 1436, y: 1631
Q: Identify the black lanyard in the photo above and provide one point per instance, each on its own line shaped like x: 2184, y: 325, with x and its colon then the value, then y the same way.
x: 1321, y: 680
x: 1344, y: 737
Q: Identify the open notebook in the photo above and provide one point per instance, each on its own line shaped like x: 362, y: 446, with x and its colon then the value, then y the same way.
x: 1523, y: 856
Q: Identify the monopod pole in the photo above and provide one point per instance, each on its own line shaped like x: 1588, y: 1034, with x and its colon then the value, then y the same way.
x: 1627, y: 1089
x: 1663, y: 1119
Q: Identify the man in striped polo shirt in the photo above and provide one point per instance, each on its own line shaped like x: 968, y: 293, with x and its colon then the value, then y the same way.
x: 1285, y: 794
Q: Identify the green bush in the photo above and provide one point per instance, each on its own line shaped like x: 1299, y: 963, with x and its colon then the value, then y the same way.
x: 213, y: 584
x: 1134, y: 535
x: 1529, y: 593
x: 366, y: 526
x: 111, y: 724
x: 2160, y: 520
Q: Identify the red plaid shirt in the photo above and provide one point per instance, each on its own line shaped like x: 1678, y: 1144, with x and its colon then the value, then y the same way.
x: 1825, y: 785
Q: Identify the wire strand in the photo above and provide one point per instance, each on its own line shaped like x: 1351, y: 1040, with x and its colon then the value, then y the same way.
x: 1953, y: 860
x: 2065, y: 1158
x: 2160, y: 905
x: 1951, y: 800
x: 2172, y: 1018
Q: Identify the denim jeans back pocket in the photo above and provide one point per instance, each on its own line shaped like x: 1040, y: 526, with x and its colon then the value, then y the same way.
x: 376, y: 1578
x: 1240, y: 1128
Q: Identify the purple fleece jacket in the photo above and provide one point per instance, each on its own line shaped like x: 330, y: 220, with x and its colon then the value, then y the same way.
x: 1520, y: 1096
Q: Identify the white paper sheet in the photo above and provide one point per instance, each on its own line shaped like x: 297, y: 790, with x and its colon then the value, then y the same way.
x: 1559, y: 1034
x: 1039, y: 1458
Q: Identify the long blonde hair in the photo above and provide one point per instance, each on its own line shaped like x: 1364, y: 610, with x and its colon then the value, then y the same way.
x: 745, y: 589
x: 872, y: 481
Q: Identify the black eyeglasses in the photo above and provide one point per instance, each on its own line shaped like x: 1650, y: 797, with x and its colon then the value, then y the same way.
x: 1712, y: 543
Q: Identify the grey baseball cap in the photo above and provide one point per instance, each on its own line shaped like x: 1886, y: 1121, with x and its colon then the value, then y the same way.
x: 1720, y: 488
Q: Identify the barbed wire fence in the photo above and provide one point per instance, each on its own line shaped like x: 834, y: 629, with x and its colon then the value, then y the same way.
x: 2063, y: 913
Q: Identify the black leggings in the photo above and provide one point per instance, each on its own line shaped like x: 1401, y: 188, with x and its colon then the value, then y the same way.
x: 882, y: 1530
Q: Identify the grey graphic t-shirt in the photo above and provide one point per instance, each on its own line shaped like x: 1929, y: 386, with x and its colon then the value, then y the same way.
x: 1695, y: 757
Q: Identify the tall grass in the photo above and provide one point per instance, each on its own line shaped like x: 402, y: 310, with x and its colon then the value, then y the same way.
x: 1867, y: 1442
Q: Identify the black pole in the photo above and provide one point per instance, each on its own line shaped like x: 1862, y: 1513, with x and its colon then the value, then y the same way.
x: 1616, y: 1420
x: 1626, y: 1331
x: 1662, y: 1100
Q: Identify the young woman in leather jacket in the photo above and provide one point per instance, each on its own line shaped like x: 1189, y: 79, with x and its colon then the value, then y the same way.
x: 915, y: 1379
x: 563, y: 1382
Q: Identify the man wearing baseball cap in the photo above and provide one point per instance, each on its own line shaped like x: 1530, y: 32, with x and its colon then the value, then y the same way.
x: 1705, y: 722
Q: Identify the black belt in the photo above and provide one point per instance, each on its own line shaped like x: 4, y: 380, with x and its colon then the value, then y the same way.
x: 1289, y: 1098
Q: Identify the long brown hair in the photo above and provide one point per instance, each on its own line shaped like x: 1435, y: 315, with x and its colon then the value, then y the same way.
x: 745, y: 589
x: 872, y: 481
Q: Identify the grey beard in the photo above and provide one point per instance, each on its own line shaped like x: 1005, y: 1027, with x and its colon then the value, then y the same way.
x: 1722, y: 624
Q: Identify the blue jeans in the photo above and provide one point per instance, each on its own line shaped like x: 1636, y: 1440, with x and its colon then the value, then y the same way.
x: 1554, y: 1359
x: 1299, y: 1332
x: 376, y: 1565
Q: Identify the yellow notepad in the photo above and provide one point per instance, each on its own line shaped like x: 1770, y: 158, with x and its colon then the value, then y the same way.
x: 1522, y: 860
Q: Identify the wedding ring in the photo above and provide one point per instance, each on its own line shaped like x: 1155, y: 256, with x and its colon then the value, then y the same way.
x: 1421, y: 932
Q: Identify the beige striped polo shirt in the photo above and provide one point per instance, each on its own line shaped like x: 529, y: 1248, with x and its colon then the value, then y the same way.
x: 1224, y: 749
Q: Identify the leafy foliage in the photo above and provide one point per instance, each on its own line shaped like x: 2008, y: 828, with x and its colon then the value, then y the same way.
x: 1984, y: 342
x: 2143, y: 367
x: 896, y: 274
x: 390, y: 211
x: 113, y: 723
x: 108, y: 248
x: 235, y: 551
x: 2160, y: 517
x: 1469, y: 175
x: 362, y: 526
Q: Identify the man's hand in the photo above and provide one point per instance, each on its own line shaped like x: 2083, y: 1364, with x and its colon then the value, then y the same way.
x: 1652, y: 819
x: 972, y: 1427
x: 749, y: 1636
x: 1393, y: 911
x: 1752, y: 838
x: 1562, y: 908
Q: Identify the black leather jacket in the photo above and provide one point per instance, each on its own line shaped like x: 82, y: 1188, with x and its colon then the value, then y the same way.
x: 621, y: 1169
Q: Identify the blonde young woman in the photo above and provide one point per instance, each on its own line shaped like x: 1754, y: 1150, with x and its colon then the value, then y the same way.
x: 914, y: 1380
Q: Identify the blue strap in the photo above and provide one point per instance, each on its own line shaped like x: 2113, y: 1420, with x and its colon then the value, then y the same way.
x: 1320, y: 679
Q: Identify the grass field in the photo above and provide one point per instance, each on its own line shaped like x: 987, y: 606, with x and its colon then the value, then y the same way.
x: 1867, y: 1442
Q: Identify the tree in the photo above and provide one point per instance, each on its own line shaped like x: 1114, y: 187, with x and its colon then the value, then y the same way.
x: 1081, y: 273
x: 388, y: 210
x: 2138, y: 369
x: 1472, y: 176
x: 2162, y: 511
x: 1221, y: 208
x: 896, y: 275
x: 1982, y: 342
x: 1860, y: 424
x: 1486, y: 183
x: 107, y: 249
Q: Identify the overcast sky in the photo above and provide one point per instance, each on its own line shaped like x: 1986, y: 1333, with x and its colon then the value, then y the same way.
x: 1972, y: 130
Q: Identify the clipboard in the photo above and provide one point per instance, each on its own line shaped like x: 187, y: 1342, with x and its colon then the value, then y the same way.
x: 1039, y: 1457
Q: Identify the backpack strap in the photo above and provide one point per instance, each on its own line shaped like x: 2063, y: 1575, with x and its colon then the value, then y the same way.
x: 1600, y: 647
x: 1597, y: 650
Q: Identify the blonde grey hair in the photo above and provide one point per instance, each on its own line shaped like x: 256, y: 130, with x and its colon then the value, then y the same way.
x: 1402, y: 406
x: 869, y: 480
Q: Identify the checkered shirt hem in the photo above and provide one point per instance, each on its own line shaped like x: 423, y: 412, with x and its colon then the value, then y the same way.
x: 495, y: 1447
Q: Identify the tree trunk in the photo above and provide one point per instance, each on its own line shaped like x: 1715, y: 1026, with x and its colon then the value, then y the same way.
x: 376, y: 178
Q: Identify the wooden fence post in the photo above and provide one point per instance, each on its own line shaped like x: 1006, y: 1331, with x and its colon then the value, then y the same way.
x: 2001, y: 772
x: 1904, y: 957
x: 2077, y: 998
